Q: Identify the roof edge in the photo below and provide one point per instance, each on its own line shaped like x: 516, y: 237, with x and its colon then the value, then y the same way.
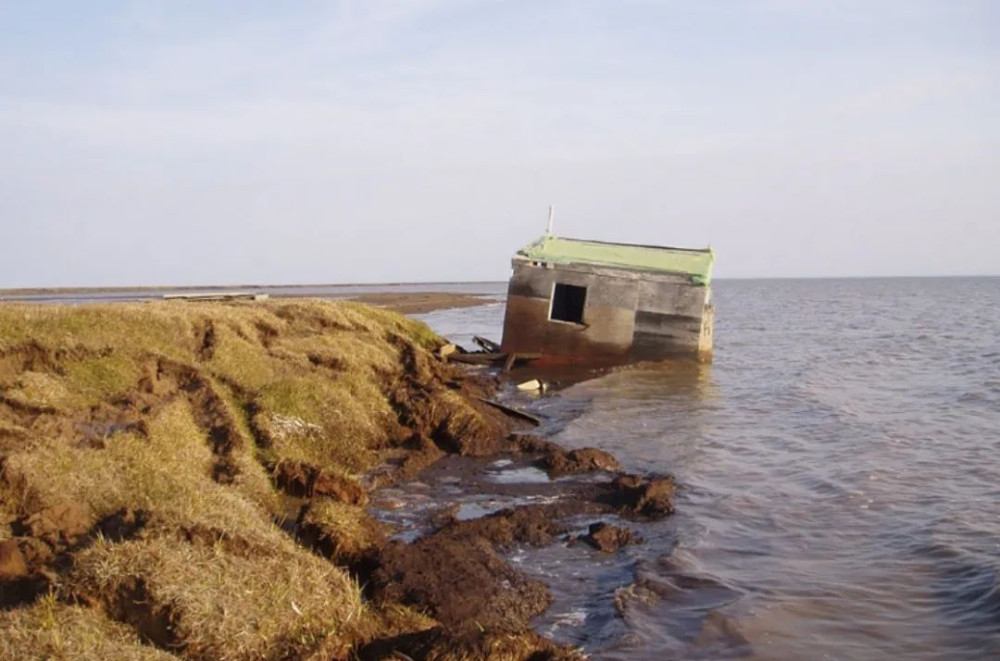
x: 539, y: 240
x: 694, y: 262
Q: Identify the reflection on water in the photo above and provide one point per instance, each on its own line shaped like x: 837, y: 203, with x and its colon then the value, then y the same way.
x: 840, y: 474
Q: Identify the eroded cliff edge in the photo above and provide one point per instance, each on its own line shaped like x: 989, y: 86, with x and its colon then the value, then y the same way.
x: 189, y: 481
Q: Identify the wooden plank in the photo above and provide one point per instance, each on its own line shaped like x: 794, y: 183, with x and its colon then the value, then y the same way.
x: 486, y: 344
x: 514, y: 413
x: 509, y: 363
x: 478, y: 358
x: 488, y: 358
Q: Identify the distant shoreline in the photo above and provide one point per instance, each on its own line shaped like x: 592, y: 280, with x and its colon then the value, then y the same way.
x: 405, y: 302
x: 421, y: 302
x: 54, y: 291
x: 15, y: 292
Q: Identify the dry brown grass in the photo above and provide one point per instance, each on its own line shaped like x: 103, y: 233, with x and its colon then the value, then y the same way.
x: 164, y: 474
x: 49, y: 630
x: 340, y: 531
x: 172, y: 415
x: 214, y: 603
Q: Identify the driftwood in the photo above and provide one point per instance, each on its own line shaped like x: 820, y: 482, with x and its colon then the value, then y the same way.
x: 477, y: 358
x: 486, y: 344
x: 511, y: 411
x: 490, y: 357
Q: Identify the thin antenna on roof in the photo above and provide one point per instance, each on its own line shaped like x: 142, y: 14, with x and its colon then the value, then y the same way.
x: 552, y: 216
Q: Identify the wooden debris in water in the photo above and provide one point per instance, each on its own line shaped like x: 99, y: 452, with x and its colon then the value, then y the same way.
x: 513, y: 412
x: 486, y: 344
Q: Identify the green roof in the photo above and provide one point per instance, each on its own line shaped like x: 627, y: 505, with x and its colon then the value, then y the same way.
x: 696, y: 263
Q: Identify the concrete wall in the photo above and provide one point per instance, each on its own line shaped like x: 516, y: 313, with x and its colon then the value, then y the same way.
x: 668, y: 319
x: 627, y: 314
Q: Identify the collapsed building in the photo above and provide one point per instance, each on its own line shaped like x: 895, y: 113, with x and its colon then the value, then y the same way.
x: 579, y: 301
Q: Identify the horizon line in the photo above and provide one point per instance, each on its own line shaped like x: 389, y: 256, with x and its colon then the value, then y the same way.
x: 85, y: 289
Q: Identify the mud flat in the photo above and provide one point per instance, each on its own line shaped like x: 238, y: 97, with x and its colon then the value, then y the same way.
x: 194, y: 480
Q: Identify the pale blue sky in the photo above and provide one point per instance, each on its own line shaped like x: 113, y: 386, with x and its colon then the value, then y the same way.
x: 197, y: 142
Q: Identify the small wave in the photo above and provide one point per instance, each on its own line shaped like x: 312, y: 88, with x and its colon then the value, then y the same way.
x: 965, y: 585
x: 978, y: 397
x: 697, y: 628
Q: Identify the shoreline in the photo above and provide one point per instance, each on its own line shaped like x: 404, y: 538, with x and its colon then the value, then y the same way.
x: 157, y: 288
x: 411, y: 302
x: 165, y: 463
x: 26, y: 294
x: 421, y: 302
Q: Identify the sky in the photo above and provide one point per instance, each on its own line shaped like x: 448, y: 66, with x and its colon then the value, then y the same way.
x: 198, y: 142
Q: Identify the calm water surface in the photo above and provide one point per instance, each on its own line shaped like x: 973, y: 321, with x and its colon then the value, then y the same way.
x: 840, y: 472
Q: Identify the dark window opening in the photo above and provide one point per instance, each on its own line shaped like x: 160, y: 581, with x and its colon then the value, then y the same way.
x: 567, y: 303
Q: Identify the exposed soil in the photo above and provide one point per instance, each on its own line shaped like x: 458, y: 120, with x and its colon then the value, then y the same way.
x: 455, y: 573
x: 302, y: 480
x: 12, y: 564
x: 440, y: 644
x: 558, y: 462
x: 461, y: 582
x: 608, y: 538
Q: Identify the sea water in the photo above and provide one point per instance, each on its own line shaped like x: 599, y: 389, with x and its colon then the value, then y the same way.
x: 839, y: 472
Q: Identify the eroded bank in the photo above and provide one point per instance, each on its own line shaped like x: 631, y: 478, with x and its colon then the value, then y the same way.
x: 191, y: 480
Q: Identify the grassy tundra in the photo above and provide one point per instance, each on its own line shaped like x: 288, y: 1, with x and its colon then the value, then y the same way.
x: 153, y: 458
